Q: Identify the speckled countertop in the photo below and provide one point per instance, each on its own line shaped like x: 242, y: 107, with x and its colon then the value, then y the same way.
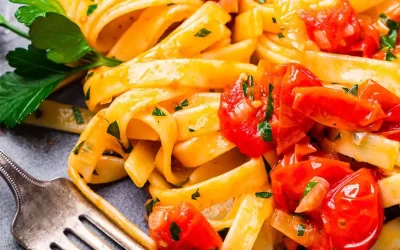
x: 44, y: 153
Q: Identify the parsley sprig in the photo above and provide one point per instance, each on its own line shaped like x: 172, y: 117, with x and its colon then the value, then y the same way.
x: 388, y: 41
x: 40, y: 68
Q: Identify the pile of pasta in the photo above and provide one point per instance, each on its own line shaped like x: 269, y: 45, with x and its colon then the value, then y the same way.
x: 158, y: 111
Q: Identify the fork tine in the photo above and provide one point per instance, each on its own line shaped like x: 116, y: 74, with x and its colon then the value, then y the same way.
x: 64, y: 243
x: 101, y: 222
x: 88, y: 236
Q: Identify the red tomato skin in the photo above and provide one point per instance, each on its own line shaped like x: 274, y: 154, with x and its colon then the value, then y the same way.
x: 393, y: 115
x: 196, y: 232
x: 374, y: 92
x: 352, y: 212
x: 289, y: 182
x: 335, y: 108
x: 292, y: 125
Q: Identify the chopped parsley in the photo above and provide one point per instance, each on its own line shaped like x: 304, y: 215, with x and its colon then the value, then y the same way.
x: 158, y: 112
x: 245, y: 87
x: 113, y: 129
x: 309, y: 186
x: 353, y: 90
x: 89, y: 75
x: 337, y: 137
x: 264, y: 195
x: 170, y: 4
x: 87, y: 95
x: 270, y: 104
x: 389, y: 56
x: 127, y: 150
x: 274, y: 20
x: 91, y: 9
x: 196, y: 195
x: 203, y: 32
x: 184, y: 103
x: 150, y: 205
x: 389, y: 41
x: 175, y: 231
x: 78, y: 115
x: 301, y: 229
x: 265, y: 129
x: 191, y: 130
x: 280, y: 35
x: 78, y: 147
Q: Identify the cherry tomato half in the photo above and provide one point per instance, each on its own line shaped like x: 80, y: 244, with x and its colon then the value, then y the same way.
x: 374, y: 92
x: 352, y: 212
x: 182, y: 226
x: 289, y: 182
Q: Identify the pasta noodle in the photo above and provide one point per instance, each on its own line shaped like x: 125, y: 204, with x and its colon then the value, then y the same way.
x: 159, y: 116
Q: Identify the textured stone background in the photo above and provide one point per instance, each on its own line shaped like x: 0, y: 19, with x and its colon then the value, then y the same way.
x: 43, y: 152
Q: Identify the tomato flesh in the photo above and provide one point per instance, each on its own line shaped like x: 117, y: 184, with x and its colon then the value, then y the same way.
x: 289, y: 182
x: 338, y: 30
x: 352, y: 212
x: 195, y: 231
x: 335, y: 108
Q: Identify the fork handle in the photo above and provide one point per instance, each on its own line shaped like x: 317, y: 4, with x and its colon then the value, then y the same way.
x: 16, y: 178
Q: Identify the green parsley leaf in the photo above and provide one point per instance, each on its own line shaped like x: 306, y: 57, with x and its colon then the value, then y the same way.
x: 245, y: 87
x: 113, y: 129
x: 87, y: 95
x: 7, y: 25
x: 196, y: 195
x: 78, y: 147
x: 383, y: 17
x: 178, y: 107
x: 170, y: 4
x: 191, y: 130
x: 392, y: 25
x: 337, y: 137
x: 389, y: 41
x: 150, y: 205
x: 265, y: 129
x: 280, y: 35
x: 274, y: 20
x: 158, y: 112
x: 35, y: 8
x: 250, y: 80
x: 33, y: 63
x: 185, y: 103
x: 345, y: 89
x: 264, y: 195
x: 203, y: 32
x: 390, y: 56
x: 309, y: 186
x: 128, y: 149
x: 89, y: 75
x: 353, y: 90
x: 301, y: 229
x: 61, y: 37
x: 78, y: 115
x: 175, y: 231
x: 91, y: 9
x: 20, y: 96
x: 262, y: 1
x: 270, y: 103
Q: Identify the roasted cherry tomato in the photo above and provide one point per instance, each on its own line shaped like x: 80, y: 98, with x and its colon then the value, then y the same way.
x: 352, y: 212
x: 182, y: 226
x: 292, y: 125
x: 338, y: 30
x: 240, y: 114
x: 335, y: 108
x: 374, y: 92
x: 289, y: 182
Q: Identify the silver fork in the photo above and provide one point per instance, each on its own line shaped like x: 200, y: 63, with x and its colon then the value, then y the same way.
x: 47, y: 210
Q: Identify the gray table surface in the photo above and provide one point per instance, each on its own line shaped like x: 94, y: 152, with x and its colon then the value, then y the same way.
x: 44, y: 153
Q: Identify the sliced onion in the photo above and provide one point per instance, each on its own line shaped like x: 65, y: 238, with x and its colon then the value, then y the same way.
x: 289, y: 225
x: 313, y: 199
